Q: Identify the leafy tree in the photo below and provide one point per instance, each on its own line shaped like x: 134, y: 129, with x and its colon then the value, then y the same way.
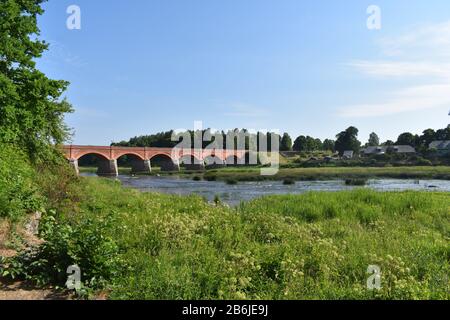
x: 300, y: 143
x: 406, y: 138
x: 311, y: 144
x: 31, y: 111
x: 286, y: 143
x: 373, y: 140
x: 443, y: 134
x: 328, y: 145
x: 307, y: 143
x: 318, y: 145
x: 388, y: 143
x: 348, y: 140
x: 427, y: 137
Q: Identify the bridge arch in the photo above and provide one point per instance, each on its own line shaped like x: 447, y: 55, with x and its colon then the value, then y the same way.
x: 134, y: 161
x: 98, y: 153
x: 105, y: 166
x: 164, y: 161
x: 119, y: 155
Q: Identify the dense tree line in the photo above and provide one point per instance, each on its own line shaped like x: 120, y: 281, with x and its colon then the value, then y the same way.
x: 421, y: 142
x: 345, y: 140
x: 166, y: 139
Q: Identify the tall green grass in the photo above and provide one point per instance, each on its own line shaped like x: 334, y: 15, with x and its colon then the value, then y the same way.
x: 311, y: 246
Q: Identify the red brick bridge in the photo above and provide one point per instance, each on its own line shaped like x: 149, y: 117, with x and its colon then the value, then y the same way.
x: 141, y: 159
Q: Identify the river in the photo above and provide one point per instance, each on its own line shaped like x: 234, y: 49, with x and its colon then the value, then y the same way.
x: 244, y: 191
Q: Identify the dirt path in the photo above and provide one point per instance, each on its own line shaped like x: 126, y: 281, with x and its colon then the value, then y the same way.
x: 18, y: 290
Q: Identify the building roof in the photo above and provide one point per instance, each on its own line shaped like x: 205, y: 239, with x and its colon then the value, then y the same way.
x: 348, y: 154
x: 384, y: 149
x: 374, y: 149
x: 440, y: 145
x: 404, y: 149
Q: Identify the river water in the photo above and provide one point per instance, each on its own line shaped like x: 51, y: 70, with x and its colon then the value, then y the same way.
x: 244, y: 191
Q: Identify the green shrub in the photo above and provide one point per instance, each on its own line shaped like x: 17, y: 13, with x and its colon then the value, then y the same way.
x: 231, y: 181
x: 210, y: 177
x: 356, y: 182
x: 423, y: 162
x: 288, y: 181
x: 18, y: 194
x: 84, y: 243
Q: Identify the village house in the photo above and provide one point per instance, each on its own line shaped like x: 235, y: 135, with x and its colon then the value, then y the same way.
x: 402, y: 149
x: 442, y: 147
x: 348, y: 154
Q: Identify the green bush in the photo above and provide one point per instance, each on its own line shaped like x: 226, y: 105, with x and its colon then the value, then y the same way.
x: 209, y: 177
x: 288, y: 181
x: 84, y: 243
x: 356, y: 182
x: 18, y: 194
x: 423, y: 162
x: 231, y: 181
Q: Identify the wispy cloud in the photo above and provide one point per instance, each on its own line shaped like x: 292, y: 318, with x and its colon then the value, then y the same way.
x: 401, y: 69
x: 419, y: 41
x: 59, y: 54
x: 422, y: 55
x: 405, y: 100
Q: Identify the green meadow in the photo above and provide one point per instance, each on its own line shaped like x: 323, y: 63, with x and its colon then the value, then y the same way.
x: 134, y: 245
x: 129, y: 244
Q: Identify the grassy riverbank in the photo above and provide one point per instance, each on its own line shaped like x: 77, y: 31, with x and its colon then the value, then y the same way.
x: 333, y: 173
x: 135, y: 245
x: 324, y: 173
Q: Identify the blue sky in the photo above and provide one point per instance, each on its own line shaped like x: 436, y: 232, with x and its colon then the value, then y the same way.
x: 313, y: 68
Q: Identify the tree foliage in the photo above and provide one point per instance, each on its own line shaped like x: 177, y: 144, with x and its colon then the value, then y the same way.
x: 329, y: 145
x: 374, y: 140
x: 164, y: 139
x: 286, y: 143
x: 348, y: 140
x: 307, y: 143
x: 31, y: 109
x: 422, y: 142
x: 407, y: 138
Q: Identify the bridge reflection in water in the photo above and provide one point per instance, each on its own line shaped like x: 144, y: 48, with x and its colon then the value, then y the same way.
x: 141, y: 159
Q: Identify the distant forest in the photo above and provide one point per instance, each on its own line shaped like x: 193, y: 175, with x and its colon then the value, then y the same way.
x: 345, y: 140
